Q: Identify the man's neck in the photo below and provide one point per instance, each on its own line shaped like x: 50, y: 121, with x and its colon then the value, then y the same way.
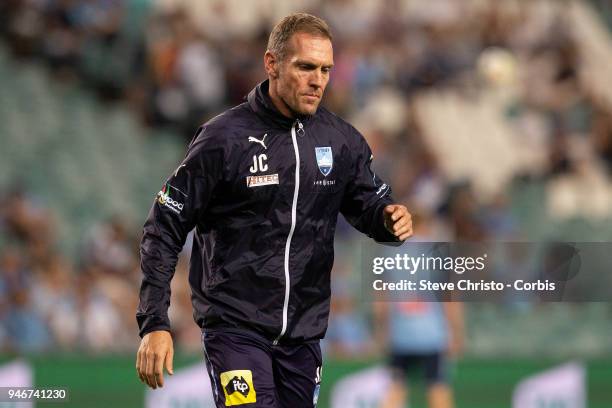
x: 278, y: 102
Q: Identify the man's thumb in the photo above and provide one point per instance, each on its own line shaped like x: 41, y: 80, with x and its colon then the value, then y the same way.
x: 169, y: 363
x: 389, y: 209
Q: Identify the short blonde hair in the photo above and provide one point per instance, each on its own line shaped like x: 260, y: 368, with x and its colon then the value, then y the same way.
x: 295, y: 23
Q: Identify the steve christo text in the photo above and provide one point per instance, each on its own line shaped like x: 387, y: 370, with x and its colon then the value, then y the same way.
x: 465, y: 285
x: 458, y: 265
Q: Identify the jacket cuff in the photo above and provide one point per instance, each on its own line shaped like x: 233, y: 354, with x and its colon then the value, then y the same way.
x: 149, y: 323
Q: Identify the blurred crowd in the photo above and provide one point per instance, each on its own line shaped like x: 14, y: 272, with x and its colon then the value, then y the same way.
x: 48, y: 301
x: 51, y: 302
x: 178, y: 63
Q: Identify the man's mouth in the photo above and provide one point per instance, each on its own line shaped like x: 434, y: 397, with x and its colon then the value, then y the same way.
x: 312, y: 96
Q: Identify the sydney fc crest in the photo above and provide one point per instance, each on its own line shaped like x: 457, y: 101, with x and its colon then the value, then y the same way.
x: 325, y: 159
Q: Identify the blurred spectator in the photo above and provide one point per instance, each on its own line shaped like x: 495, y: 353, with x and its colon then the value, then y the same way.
x: 26, y: 331
x: 99, y: 321
x: 14, y: 275
x: 348, y: 335
x: 25, y: 221
x: 463, y: 213
x: 110, y: 247
x: 602, y: 136
x: 53, y: 298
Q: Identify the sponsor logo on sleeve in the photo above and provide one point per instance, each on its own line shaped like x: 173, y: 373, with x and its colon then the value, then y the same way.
x: 172, y: 198
x: 238, y: 387
x: 382, y: 190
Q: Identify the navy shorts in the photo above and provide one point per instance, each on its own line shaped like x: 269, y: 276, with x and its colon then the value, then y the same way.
x: 432, y: 366
x: 247, y: 369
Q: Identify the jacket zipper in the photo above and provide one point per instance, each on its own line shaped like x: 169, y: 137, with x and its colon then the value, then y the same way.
x: 293, y: 222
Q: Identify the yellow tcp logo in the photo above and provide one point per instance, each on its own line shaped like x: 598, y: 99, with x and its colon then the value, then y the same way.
x: 238, y: 387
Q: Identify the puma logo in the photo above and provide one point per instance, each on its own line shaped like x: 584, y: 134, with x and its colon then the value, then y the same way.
x: 261, y: 142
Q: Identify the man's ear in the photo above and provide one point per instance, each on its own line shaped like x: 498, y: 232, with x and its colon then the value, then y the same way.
x: 271, y: 65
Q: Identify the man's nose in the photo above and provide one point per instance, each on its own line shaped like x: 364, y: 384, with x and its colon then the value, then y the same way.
x: 316, y: 79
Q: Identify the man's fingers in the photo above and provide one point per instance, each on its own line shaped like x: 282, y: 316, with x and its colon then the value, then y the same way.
x: 159, y: 370
x: 169, y: 357
x: 139, y: 366
x: 403, y: 228
x: 138, y: 363
x: 145, y: 364
x: 398, y: 221
x: 403, y: 213
x: 143, y: 368
x: 150, y: 370
x: 396, y: 215
x: 397, y: 211
x: 155, y: 352
x: 390, y: 208
x: 403, y: 231
x: 405, y: 236
x: 401, y: 223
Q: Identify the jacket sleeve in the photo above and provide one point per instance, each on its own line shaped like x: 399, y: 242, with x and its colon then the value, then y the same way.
x: 174, y: 213
x: 366, y: 195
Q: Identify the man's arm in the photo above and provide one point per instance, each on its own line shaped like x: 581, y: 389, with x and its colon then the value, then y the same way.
x: 175, y: 212
x: 367, y: 203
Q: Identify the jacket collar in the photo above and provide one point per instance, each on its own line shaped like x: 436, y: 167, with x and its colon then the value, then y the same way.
x: 260, y: 102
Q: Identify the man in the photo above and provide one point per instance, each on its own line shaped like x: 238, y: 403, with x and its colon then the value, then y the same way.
x: 263, y: 184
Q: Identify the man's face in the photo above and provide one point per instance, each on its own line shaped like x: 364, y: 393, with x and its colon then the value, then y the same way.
x: 304, y: 73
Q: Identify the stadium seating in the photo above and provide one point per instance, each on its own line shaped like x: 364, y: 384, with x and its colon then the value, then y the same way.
x: 72, y: 150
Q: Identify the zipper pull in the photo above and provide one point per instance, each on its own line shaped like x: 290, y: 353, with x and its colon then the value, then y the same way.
x: 301, y: 132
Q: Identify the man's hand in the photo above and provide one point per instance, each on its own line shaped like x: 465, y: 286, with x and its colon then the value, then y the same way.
x: 398, y: 221
x: 155, y: 349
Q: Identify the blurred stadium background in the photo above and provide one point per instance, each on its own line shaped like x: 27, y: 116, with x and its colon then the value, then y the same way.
x: 491, y: 119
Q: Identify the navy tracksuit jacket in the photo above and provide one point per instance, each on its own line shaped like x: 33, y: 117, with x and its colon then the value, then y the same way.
x: 263, y: 192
